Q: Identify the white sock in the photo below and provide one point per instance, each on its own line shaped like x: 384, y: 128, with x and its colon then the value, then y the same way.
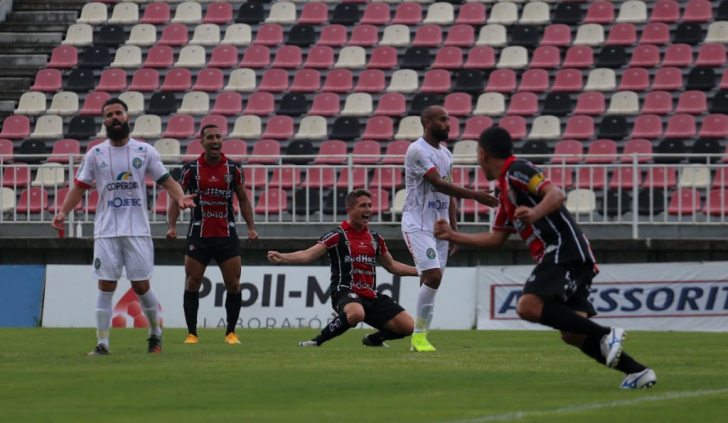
x: 103, y: 316
x: 150, y: 306
x: 425, y: 308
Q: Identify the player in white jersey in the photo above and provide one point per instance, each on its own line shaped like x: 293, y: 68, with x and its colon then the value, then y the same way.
x: 431, y: 195
x: 122, y: 237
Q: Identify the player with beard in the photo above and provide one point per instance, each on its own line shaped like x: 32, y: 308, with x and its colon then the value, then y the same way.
x: 431, y: 195
x: 353, y: 252
x: 212, y: 234
x: 122, y: 237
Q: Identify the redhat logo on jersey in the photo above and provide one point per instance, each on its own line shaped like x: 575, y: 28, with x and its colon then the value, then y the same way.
x: 130, y: 309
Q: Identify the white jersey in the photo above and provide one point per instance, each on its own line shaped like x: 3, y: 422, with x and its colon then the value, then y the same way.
x: 120, y: 180
x: 423, y: 205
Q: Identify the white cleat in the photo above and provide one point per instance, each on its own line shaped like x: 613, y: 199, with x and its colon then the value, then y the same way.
x: 644, y: 379
x: 311, y: 343
x: 612, y: 346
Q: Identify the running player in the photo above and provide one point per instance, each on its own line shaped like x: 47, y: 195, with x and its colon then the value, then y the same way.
x: 212, y: 234
x: 122, y: 237
x: 353, y: 252
x: 431, y: 195
x: 557, y: 292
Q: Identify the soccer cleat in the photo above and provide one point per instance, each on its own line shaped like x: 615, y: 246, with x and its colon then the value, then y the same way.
x: 155, y: 344
x: 310, y: 343
x: 612, y: 346
x: 644, y: 379
x: 232, y: 338
x: 192, y: 339
x: 368, y: 342
x: 420, y: 343
x: 99, y: 350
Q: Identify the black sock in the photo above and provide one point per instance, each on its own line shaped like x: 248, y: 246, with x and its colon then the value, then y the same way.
x: 561, y: 317
x: 384, y: 335
x: 627, y: 364
x: 191, y: 304
x: 333, y: 329
x: 232, y: 307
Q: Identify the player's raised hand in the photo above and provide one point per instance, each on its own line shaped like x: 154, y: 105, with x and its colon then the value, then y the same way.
x: 442, y: 229
x: 187, y: 202
x: 486, y: 197
x: 253, y: 236
x: 172, y: 233
x: 58, y: 221
x: 275, y: 257
x: 526, y: 215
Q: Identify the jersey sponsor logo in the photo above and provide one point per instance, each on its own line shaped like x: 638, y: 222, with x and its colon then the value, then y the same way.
x: 214, y: 215
x: 438, y: 205
x: 360, y: 285
x: 124, y: 176
x: 126, y: 182
x: 431, y: 254
x: 360, y: 259
x: 227, y: 193
x: 118, y: 202
x: 137, y: 162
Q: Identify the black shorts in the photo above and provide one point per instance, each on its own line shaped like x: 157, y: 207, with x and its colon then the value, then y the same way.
x: 565, y: 283
x: 220, y: 249
x: 377, y: 311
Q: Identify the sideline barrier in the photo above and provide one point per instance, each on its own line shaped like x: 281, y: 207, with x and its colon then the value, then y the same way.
x: 21, y: 297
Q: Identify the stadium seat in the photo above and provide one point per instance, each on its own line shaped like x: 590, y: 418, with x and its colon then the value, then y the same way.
x: 260, y: 104
x: 236, y: 149
x: 331, y: 148
x: 315, y: 13
x: 223, y: 57
x: 493, y: 35
x: 558, y: 35
x: 645, y: 55
x: 589, y: 35
x: 501, y: 81
x: 128, y: 57
x: 288, y: 57
x: 578, y: 57
x: 717, y: 32
x: 568, y: 14
x: 379, y: 128
x: 534, y: 80
x: 700, y: 78
x: 93, y: 13
x: 480, y: 58
x: 286, y: 177
x: 312, y: 128
x: 357, y: 104
x: 458, y: 104
x: 708, y: 149
x: 616, y: 203
x: 503, y: 14
x: 256, y: 57
x: 600, y: 13
x: 568, y: 152
x: 475, y: 125
x: 16, y: 176
x: 366, y: 152
x: 692, y: 103
x: 81, y: 128
x: 269, y: 35
x: 425, y: 36
x: 714, y: 126
x: 605, y: 148
x: 535, y: 13
x: 31, y: 103
x: 716, y: 203
x: 647, y: 126
x: 265, y: 152
x: 174, y: 35
x: 332, y: 36
x: 219, y: 13
x: 177, y: 80
x: 162, y: 104
x: 15, y: 127
x: 562, y: 176
x: 515, y: 125
x: 144, y: 80
x: 209, y: 80
x: 632, y: 11
x: 95, y: 57
x: 279, y: 128
x: 396, y: 151
x: 685, y: 202
x: 523, y: 104
x: 292, y: 104
x: 545, y: 128
x: 32, y: 200
x: 635, y: 79
x: 403, y: 81
x: 410, y: 128
x: 188, y: 12
x: 613, y: 127
x: 712, y: 54
x: 217, y: 120
x: 624, y: 178
x: 524, y: 36
x: 147, y: 126
x: 681, y: 126
x: 513, y: 57
x: 299, y: 152
x: 144, y: 35
x: 274, y: 81
x: 327, y: 104
x: 387, y: 178
x: 63, y: 57
x: 159, y: 57
x: 624, y: 103
x: 408, y: 14
x: 345, y: 14
x: 416, y: 58
x: 238, y: 34
x: 622, y: 34
x: 657, y: 103
x: 207, y: 34
x: 156, y: 13
x: 678, y: 55
x: 352, y: 57
x: 531, y: 149
x: 695, y: 177
x: 320, y: 177
x: 436, y: 81
x: 78, y: 35
x: 641, y: 148
x: 50, y: 80
x: 64, y: 103
x: 250, y: 14
x: 464, y: 152
x: 559, y: 104
x: 363, y: 36
x: 448, y: 58
x: 581, y: 201
x: 228, y: 104
x: 612, y: 57
x: 241, y: 80
x: 306, y: 81
x: 460, y: 36
x: 668, y: 78
x: 125, y: 14
x: 699, y: 11
x: 63, y: 149
x: 34, y: 148
x: 568, y: 80
x: 192, y: 56
x: 590, y: 103
x: 169, y: 149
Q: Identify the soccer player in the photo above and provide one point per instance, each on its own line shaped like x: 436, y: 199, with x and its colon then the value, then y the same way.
x: 353, y: 252
x: 122, y: 237
x: 212, y: 234
x: 557, y: 292
x: 431, y: 195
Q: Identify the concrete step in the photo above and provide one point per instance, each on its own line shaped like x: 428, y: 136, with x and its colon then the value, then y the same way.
x: 43, y: 17
x: 7, y: 107
x: 34, y: 5
x: 31, y: 38
x: 31, y: 27
x: 27, y: 48
x: 23, y: 60
x: 13, y: 87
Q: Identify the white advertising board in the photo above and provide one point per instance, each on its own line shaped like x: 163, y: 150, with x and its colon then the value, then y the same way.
x: 273, y: 297
x: 664, y: 296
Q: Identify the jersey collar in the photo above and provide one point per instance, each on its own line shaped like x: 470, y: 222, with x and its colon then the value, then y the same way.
x: 506, y: 165
x: 346, y: 226
x: 201, y: 159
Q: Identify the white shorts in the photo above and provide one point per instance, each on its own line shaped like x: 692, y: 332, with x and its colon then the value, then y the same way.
x: 135, y: 253
x: 428, y: 251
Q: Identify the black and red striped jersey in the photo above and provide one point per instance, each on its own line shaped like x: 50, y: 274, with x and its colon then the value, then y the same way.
x: 353, y: 256
x: 215, y: 185
x: 557, y: 233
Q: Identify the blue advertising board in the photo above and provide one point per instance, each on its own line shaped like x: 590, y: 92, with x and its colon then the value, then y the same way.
x: 21, y: 295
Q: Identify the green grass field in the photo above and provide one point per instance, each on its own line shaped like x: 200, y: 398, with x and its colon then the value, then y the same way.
x: 475, y: 376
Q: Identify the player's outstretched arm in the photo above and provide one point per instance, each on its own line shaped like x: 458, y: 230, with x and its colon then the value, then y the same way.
x: 246, y: 208
x: 75, y: 194
x: 494, y: 239
x: 175, y: 191
x: 484, y: 196
x: 394, y: 267
x: 299, y: 257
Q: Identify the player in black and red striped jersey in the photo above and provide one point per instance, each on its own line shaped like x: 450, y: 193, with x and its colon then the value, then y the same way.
x: 557, y: 292
x: 353, y: 252
x: 212, y: 234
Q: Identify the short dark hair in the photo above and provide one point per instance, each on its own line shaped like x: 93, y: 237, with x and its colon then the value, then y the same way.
x: 205, y: 128
x: 352, y: 196
x: 497, y: 142
x: 111, y: 101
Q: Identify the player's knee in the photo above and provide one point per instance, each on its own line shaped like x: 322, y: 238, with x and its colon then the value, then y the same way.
x: 407, y: 327
x: 232, y: 286
x: 432, y: 280
x: 527, y: 312
x: 192, y: 283
x: 354, y: 317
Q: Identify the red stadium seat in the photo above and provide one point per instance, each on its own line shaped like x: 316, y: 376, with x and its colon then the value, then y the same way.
x: 665, y: 11
x: 16, y: 176
x: 256, y: 57
x: 458, y: 104
x: 260, y: 104
x: 379, y: 128
x: 92, y: 202
x: 255, y: 176
x: 364, y: 36
x: 112, y: 80
x: 711, y: 54
x: 228, y: 103
x: 272, y: 201
x: 668, y: 79
x: 63, y: 57
x: 523, y: 104
x: 371, y: 149
x: 714, y: 126
x: 177, y: 80
x: 332, y: 35
x: 436, y: 81
x: 408, y: 14
x: 235, y: 149
x: 454, y: 128
x: 180, y: 127
x: 568, y: 80
x: 546, y: 57
x: 472, y: 14
x: 685, y: 201
x: 375, y: 14
x: 219, y: 13
x: 647, y: 126
x: 601, y: 148
x: 590, y: 103
x: 600, y: 13
x: 313, y: 13
x: 339, y: 81
x: 579, y: 57
x: 6, y: 150
x: 264, y: 152
x: 515, y: 125
x: 269, y: 35
x: 660, y: 177
x: 698, y: 11
x: 209, y: 80
x: 380, y: 201
x: 274, y: 81
x: 321, y: 57
x: 476, y: 125
x: 657, y: 103
x: 428, y: 36
x: 175, y: 35
x: 502, y: 81
x: 384, y: 57
x: 288, y: 57
x: 387, y: 178
x: 193, y: 151
x: 692, y: 103
x: 622, y: 34
x: 461, y: 176
x: 448, y: 58
x: 217, y: 120
x: 681, y: 126
x: 157, y: 13
x: 623, y: 177
x: 391, y: 104
x: 325, y: 104
x: 94, y: 143
x: 224, y: 57
x: 646, y: 55
x: 279, y: 128
x: 558, y: 35
x: 562, y: 177
x: 63, y: 149
x: 93, y: 103
x: 716, y: 203
x: 460, y: 36
x: 593, y: 178
x: 637, y: 146
x: 568, y: 152
x: 579, y: 128
x: 159, y: 57
x: 358, y: 178
x: 534, y: 80
x: 480, y: 57
x: 395, y: 152
x: 320, y: 178
x: 32, y: 200
x: 678, y: 55
x: 634, y: 79
x: 306, y: 81
x: 16, y: 127
x: 657, y: 33
x: 371, y: 81
x: 48, y: 81
x: 331, y: 148
x: 286, y: 177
